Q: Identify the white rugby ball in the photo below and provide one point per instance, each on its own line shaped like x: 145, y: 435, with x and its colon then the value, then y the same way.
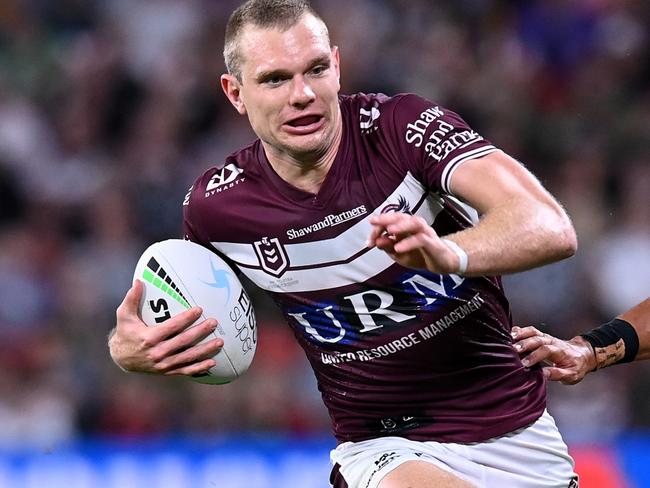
x: 178, y: 275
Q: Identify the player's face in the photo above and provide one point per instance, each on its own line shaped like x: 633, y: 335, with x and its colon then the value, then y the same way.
x: 289, y: 88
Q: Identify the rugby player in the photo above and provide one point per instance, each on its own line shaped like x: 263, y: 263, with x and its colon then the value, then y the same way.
x: 380, y: 226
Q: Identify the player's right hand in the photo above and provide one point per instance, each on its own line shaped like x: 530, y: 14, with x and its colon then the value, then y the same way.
x: 411, y: 242
x: 170, y: 348
x: 567, y: 361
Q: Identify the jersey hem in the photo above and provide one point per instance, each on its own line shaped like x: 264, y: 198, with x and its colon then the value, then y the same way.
x: 468, y: 437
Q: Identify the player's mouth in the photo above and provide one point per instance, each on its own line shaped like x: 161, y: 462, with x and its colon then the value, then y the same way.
x: 305, y: 124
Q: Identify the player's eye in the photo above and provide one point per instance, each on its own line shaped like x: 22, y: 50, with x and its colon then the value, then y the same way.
x: 319, y: 70
x: 274, y: 80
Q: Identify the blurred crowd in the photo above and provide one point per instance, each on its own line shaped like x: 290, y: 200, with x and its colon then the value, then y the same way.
x: 110, y: 109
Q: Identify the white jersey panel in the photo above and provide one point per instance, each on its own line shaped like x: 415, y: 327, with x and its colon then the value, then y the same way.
x: 333, y: 255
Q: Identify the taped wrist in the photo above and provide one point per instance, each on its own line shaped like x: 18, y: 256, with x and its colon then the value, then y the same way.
x: 613, y: 342
x: 460, y: 252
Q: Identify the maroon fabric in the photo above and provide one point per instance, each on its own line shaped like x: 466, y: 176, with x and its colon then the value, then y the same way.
x: 439, y: 366
x: 336, y: 478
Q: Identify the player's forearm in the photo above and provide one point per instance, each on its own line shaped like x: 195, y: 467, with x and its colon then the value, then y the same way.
x: 518, y: 235
x: 639, y: 317
x: 621, y: 340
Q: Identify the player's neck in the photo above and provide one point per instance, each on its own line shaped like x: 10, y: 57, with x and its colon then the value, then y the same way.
x: 305, y: 173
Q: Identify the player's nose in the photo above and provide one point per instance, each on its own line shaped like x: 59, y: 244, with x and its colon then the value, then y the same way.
x: 301, y: 92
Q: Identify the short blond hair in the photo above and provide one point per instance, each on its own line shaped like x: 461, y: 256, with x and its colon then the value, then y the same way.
x: 281, y: 14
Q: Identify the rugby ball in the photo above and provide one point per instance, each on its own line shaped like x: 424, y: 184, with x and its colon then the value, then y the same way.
x: 178, y: 275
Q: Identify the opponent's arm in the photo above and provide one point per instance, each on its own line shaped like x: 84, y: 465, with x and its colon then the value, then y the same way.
x: 170, y: 348
x: 639, y: 317
x: 522, y: 226
x: 625, y: 339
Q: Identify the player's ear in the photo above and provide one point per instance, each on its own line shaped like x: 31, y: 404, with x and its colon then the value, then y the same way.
x: 337, y: 61
x: 232, y: 88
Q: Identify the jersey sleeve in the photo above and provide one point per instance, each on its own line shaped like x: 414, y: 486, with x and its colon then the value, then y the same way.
x: 191, y: 215
x: 193, y: 228
x: 435, y: 140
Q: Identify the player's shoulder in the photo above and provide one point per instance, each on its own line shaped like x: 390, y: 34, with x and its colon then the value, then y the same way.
x: 365, y: 102
x: 225, y: 178
x: 387, y: 102
x: 373, y: 110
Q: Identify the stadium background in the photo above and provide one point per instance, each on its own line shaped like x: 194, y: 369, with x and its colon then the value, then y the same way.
x: 110, y: 109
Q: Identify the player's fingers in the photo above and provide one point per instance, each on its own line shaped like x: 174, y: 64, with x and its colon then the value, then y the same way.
x: 564, y: 375
x: 375, y: 232
x: 190, y: 355
x: 522, y: 346
x: 553, y: 374
x: 386, y: 244
x: 519, y: 333
x: 128, y: 309
x: 427, y: 241
x: 379, y: 222
x: 194, y: 354
x: 184, y: 336
x: 174, y: 325
x: 410, y: 225
x: 391, y: 223
x: 410, y: 243
x: 546, y: 352
x: 388, y: 218
x: 194, y: 369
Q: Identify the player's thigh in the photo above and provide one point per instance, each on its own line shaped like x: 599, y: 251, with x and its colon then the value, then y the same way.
x: 421, y: 474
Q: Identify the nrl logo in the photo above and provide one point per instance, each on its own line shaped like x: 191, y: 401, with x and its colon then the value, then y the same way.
x: 272, y: 256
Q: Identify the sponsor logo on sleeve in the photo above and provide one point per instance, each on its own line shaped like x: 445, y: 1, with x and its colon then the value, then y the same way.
x: 416, y: 130
x: 443, y: 139
x: 224, y: 179
x: 271, y: 256
x: 367, y: 119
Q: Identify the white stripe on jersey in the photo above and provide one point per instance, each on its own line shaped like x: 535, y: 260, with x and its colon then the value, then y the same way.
x: 333, y: 256
x: 453, y: 165
x: 469, y: 211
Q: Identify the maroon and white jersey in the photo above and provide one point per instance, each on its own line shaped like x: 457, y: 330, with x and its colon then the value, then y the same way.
x: 396, y: 351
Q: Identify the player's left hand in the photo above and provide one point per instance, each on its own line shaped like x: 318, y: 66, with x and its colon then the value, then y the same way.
x: 568, y: 361
x: 411, y: 242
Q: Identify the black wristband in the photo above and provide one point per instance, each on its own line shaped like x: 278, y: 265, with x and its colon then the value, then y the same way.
x: 614, y: 342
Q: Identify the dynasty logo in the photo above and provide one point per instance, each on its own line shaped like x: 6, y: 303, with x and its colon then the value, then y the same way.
x: 224, y: 179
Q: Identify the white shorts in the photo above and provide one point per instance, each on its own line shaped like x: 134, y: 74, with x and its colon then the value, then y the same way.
x: 532, y: 457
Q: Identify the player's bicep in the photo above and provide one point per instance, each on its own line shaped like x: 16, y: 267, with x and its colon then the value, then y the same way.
x: 495, y: 180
